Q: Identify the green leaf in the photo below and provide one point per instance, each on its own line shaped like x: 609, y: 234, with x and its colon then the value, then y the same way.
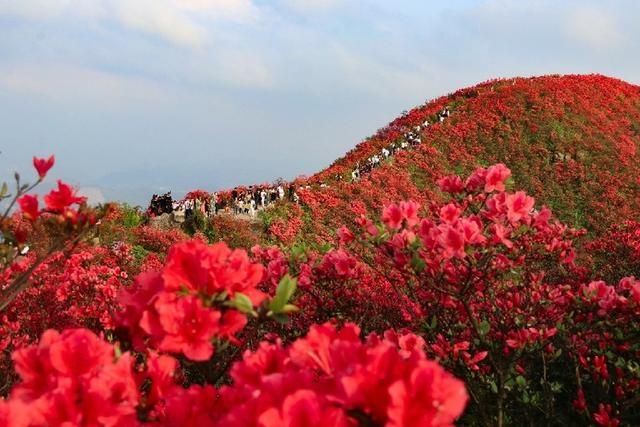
x: 484, y: 327
x: 434, y: 322
x: 299, y: 251
x: 184, y: 291
x: 243, y: 304
x: 289, y: 308
x: 324, y: 248
x: 286, y: 288
x: 118, y: 351
x: 4, y: 190
x: 281, y: 318
x: 220, y: 296
x: 417, y: 263
x: 521, y: 381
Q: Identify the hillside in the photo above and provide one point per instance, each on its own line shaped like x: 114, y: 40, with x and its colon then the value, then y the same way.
x: 571, y: 141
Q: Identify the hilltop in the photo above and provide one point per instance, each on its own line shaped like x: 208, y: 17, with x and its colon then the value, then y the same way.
x: 571, y: 141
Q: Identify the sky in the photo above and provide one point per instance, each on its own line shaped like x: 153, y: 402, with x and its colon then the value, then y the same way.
x: 136, y: 97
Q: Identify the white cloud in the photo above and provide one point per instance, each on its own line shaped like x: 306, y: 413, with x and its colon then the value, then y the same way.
x: 35, y: 9
x: 94, y: 195
x: 235, y: 10
x: 176, y: 21
x: 78, y: 85
x: 595, y: 27
x: 311, y: 6
x: 161, y: 18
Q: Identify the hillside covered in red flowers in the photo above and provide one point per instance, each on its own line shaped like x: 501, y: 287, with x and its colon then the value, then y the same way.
x: 570, y: 141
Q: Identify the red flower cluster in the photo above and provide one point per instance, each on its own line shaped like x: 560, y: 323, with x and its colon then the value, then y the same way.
x: 492, y: 284
x: 72, y: 291
x: 190, y: 302
x: 58, y: 201
x: 329, y: 378
x: 71, y: 378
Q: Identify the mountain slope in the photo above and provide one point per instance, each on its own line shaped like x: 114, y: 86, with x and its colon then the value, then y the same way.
x: 571, y: 141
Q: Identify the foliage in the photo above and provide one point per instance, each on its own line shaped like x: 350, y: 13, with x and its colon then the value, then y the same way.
x: 132, y: 216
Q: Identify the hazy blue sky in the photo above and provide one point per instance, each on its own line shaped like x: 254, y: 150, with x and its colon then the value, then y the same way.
x: 137, y: 96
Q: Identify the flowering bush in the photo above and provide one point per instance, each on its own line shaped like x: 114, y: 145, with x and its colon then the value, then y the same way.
x: 197, y: 303
x: 492, y: 285
x: 34, y: 242
x: 156, y: 240
x: 328, y: 378
x: 78, y: 290
x: 234, y: 231
x: 202, y: 293
x: 617, y: 253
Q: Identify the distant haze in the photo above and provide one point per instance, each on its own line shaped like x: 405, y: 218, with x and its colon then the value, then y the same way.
x: 137, y: 97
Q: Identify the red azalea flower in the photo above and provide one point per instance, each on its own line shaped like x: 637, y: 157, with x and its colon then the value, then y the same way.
x: 212, y: 269
x: 79, y: 351
x: 71, y: 378
x: 392, y: 216
x: 187, y: 267
x: 431, y: 397
x: 476, y: 180
x: 449, y: 213
x: 302, y: 409
x: 495, y: 178
x: 232, y: 322
x: 29, y: 206
x: 603, y: 417
x: 59, y: 200
x: 14, y: 413
x: 580, y: 403
x: 452, y: 241
x: 501, y: 235
x: 340, y: 262
x: 451, y: 184
x: 161, y: 369
x: 472, y: 229
x: 189, y: 327
x: 43, y: 165
x: 519, y: 205
x: 410, y: 212
x: 345, y: 235
x: 72, y: 353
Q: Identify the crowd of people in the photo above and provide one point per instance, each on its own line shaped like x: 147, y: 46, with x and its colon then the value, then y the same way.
x: 239, y: 201
x: 161, y: 204
x: 411, y: 138
x: 248, y: 201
